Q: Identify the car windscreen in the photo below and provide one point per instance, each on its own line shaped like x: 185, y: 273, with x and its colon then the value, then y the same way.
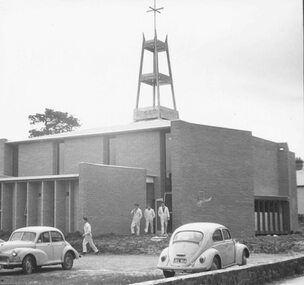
x: 191, y: 236
x: 24, y: 236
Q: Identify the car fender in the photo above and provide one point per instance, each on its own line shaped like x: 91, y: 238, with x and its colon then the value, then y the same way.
x: 165, y: 253
x: 67, y: 248
x: 239, y: 249
x: 40, y: 256
x: 209, y: 255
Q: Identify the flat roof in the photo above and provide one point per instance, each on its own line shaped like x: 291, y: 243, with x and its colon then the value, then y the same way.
x: 133, y: 127
x: 42, y: 177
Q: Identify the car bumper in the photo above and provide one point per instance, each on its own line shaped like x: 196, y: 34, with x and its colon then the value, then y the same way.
x: 183, y: 268
x: 8, y: 261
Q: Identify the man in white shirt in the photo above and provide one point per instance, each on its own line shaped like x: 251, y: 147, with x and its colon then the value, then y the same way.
x: 149, y: 215
x: 136, y: 214
x: 87, y: 237
x: 164, y: 215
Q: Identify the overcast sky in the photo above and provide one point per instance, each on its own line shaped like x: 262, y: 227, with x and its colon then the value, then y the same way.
x: 236, y: 63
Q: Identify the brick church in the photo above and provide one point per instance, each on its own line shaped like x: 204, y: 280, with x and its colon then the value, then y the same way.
x: 203, y: 173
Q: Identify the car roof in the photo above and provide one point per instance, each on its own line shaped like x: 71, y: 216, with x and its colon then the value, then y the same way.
x: 37, y: 229
x: 202, y: 227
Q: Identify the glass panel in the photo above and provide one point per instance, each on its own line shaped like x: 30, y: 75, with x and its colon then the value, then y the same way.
x: 56, y: 236
x: 28, y: 236
x: 226, y: 234
x: 217, y: 236
x: 188, y: 236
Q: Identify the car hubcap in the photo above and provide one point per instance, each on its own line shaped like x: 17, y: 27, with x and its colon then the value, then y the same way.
x: 28, y: 266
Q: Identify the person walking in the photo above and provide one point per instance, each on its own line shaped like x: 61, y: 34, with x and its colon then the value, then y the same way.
x: 136, y: 214
x: 149, y: 215
x: 164, y: 215
x: 87, y: 237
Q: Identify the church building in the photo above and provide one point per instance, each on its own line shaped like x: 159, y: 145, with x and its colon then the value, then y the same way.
x: 203, y: 173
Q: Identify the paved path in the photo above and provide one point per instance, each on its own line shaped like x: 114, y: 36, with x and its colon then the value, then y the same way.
x: 106, y: 269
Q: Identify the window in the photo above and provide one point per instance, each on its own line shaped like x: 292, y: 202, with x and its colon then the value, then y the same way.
x: 26, y: 236
x: 56, y: 236
x: 16, y: 236
x: 226, y: 234
x: 44, y: 237
x: 191, y: 236
x: 217, y: 236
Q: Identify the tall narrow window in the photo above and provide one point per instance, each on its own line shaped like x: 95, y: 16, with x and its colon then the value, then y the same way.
x: 15, y: 160
x: 59, y: 157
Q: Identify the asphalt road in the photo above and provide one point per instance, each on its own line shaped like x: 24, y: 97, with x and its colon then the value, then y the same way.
x: 105, y: 269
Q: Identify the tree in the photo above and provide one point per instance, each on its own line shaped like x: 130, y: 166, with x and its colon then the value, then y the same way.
x: 299, y: 163
x: 53, y: 122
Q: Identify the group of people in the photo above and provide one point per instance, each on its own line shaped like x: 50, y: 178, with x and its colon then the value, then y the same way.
x: 136, y: 213
x: 149, y: 214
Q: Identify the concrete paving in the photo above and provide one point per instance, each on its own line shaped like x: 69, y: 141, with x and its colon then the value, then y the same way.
x: 108, y: 269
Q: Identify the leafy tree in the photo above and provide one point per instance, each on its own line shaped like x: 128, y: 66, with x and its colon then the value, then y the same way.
x: 299, y: 163
x: 53, y: 122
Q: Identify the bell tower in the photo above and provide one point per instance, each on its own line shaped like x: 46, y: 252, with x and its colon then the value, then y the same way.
x: 155, y: 79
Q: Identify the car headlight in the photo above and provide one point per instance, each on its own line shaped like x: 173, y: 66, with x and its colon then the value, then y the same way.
x: 163, y: 258
x: 202, y: 259
x: 14, y: 253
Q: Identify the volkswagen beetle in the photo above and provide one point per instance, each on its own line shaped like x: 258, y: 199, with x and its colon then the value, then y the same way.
x: 200, y: 247
x: 33, y: 247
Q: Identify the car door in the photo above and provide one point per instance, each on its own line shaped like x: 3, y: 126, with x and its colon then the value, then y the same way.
x: 229, y: 248
x: 44, y: 244
x: 58, y: 244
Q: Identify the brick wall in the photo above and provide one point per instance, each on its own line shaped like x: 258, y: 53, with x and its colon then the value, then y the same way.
x: 265, y: 167
x: 293, y: 198
x: 108, y: 194
x: 219, y: 162
x: 86, y: 149
x: 36, y: 159
x: 6, y: 158
x: 141, y: 149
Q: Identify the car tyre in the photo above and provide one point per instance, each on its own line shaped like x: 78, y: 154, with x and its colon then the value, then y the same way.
x: 168, y: 274
x: 215, y: 264
x: 28, y: 264
x: 244, y: 259
x: 68, y: 261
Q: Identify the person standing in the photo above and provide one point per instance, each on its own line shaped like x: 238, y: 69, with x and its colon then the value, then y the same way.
x: 87, y: 237
x: 136, y: 214
x: 149, y: 215
x: 164, y: 215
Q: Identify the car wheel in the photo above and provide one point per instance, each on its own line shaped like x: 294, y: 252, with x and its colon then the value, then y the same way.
x: 244, y: 259
x: 68, y: 261
x: 28, y: 264
x: 168, y: 274
x: 215, y: 264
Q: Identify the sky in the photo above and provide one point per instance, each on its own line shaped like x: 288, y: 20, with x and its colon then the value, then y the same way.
x: 235, y: 63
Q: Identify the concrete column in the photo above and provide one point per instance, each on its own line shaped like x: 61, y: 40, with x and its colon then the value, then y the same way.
x: 77, y: 205
x: 47, y: 202
x: 19, y: 202
x: 33, y: 204
x: 68, y: 207
x: 7, y: 206
x: 60, y: 214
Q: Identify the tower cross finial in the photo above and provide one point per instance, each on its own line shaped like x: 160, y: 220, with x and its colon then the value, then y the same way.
x: 155, y: 10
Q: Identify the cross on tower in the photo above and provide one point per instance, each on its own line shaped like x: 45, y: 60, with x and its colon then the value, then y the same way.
x: 155, y: 79
x: 155, y: 10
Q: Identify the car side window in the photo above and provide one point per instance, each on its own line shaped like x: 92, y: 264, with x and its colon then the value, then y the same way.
x: 217, y: 236
x: 226, y: 234
x: 44, y: 237
x: 56, y: 236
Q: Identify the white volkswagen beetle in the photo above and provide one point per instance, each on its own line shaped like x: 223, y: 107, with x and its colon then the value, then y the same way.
x: 200, y: 247
x: 33, y: 247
